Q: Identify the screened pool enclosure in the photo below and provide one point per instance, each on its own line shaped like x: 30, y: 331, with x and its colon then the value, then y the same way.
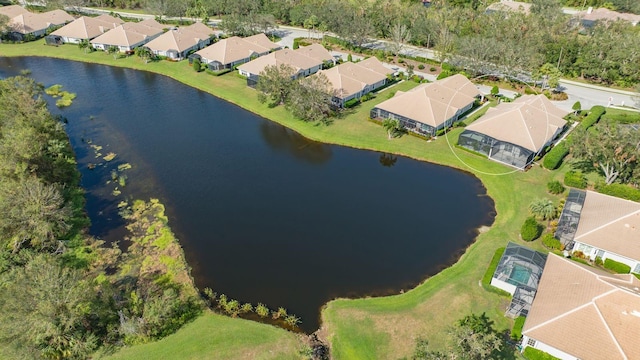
x: 497, y: 150
x: 570, y: 217
x: 518, y: 273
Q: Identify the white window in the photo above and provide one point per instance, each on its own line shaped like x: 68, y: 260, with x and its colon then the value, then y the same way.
x: 531, y: 342
x: 637, y: 269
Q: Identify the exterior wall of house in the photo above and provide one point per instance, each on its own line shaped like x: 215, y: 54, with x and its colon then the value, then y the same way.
x: 70, y: 40
x: 593, y: 252
x: 510, y: 288
x: 527, y: 341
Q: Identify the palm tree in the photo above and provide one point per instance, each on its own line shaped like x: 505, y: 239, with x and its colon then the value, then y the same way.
x: 84, y: 45
x: 144, y: 53
x: 392, y: 126
x: 544, y: 209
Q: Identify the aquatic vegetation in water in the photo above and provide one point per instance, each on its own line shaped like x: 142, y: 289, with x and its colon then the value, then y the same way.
x: 123, y: 167
x: 66, y: 98
x: 110, y: 156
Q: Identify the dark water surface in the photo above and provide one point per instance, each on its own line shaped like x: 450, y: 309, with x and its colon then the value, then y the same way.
x: 263, y: 214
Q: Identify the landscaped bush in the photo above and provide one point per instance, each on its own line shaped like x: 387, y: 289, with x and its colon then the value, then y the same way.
x: 432, y: 69
x: 444, y: 74
x: 421, y: 66
x: 616, y: 266
x: 197, y: 65
x: 619, y: 190
x: 516, y: 332
x: 575, y: 179
x: 530, y: 230
x: 351, y: 103
x: 486, y: 279
x: 593, y: 117
x: 535, y: 354
x: 555, y: 187
x: 218, y: 72
x: 623, y: 118
x: 551, y: 242
x: 553, y: 159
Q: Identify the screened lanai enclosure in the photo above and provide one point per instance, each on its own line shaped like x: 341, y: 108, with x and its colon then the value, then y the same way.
x: 501, y: 151
x: 570, y: 217
x: 518, y: 273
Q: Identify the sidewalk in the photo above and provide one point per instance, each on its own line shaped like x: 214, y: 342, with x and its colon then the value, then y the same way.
x: 597, y: 87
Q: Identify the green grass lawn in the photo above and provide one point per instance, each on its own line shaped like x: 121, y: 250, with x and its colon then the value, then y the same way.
x: 386, y: 327
x: 213, y: 336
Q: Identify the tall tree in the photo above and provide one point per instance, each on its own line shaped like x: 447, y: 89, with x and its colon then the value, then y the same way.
x: 400, y: 35
x: 611, y: 149
x: 310, y: 99
x: 276, y: 83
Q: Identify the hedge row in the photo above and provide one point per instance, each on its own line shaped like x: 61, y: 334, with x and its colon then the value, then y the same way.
x: 516, y: 332
x: 593, y: 117
x: 486, y: 279
x: 617, y: 267
x: 553, y: 159
x: 575, y: 179
x: 619, y: 190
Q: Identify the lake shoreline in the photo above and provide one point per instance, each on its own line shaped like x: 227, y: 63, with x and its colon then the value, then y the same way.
x: 507, y: 206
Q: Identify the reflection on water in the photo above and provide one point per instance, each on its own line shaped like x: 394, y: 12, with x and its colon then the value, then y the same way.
x: 264, y: 215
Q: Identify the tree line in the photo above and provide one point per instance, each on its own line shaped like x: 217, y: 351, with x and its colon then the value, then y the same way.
x: 459, y: 31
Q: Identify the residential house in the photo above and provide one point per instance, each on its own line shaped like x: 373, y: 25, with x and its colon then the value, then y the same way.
x: 227, y: 53
x: 515, y: 133
x: 298, y: 59
x: 354, y: 80
x: 430, y: 107
x: 509, y: 6
x: 601, y: 226
x: 317, y: 52
x: 86, y: 28
x: 177, y: 43
x: 581, y: 312
x: 129, y: 35
x: 591, y: 17
x: 24, y: 24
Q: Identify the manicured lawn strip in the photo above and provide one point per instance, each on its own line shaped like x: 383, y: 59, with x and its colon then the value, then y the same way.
x: 213, y: 336
x: 535, y: 354
x: 486, y: 279
x: 355, y: 327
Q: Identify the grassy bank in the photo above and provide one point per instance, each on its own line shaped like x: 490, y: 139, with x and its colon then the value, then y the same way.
x: 374, y: 328
x: 213, y: 336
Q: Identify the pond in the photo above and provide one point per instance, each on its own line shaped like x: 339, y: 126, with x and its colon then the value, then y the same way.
x: 264, y: 215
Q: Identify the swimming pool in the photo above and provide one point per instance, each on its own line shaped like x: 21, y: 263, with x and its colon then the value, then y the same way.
x: 519, y: 275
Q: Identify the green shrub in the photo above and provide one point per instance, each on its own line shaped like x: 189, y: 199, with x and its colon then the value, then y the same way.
x: 535, y: 354
x: 516, y: 331
x: 351, y: 103
x: 530, y: 230
x: 598, y: 261
x: 421, y: 66
x: 296, y: 44
x: 623, y: 118
x: 593, y: 117
x: 444, y: 74
x: 218, y: 72
x: 432, y: 69
x: 551, y: 242
x: 350, y: 58
x: 555, y: 187
x: 619, y: 190
x: 486, y: 279
x: 575, y: 179
x: 553, y: 158
x: 616, y: 266
x: 197, y: 65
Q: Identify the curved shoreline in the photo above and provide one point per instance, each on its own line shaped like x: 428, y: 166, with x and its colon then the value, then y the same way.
x: 508, y: 204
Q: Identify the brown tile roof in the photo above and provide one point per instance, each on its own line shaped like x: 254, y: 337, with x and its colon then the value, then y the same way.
x: 235, y: 48
x: 530, y: 122
x: 433, y: 103
x: 509, y: 5
x: 26, y: 22
x: 585, y: 312
x: 349, y: 78
x: 181, y: 39
x: 611, y: 224
x: 12, y: 11
x: 109, y: 19
x: 606, y: 14
x: 130, y: 33
x: 316, y: 51
x: 86, y: 28
x: 294, y: 58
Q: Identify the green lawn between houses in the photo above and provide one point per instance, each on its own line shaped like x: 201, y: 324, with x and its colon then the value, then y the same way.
x: 370, y: 328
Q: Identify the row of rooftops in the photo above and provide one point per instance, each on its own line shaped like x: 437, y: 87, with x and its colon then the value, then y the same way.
x: 233, y: 49
x: 25, y: 22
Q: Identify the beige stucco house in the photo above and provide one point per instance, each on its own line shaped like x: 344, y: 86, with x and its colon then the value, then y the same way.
x: 177, y: 43
x: 354, y: 80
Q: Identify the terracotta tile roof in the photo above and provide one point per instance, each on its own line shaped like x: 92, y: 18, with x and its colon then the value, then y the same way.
x: 316, y: 51
x: 611, y: 224
x: 530, y: 122
x: 12, y: 11
x: 610, y: 15
x: 294, y: 58
x: 349, y: 78
x: 585, y: 312
x: 26, y: 22
x: 235, y: 48
x: 86, y: 28
x: 508, y: 5
x: 181, y: 39
x: 433, y: 103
